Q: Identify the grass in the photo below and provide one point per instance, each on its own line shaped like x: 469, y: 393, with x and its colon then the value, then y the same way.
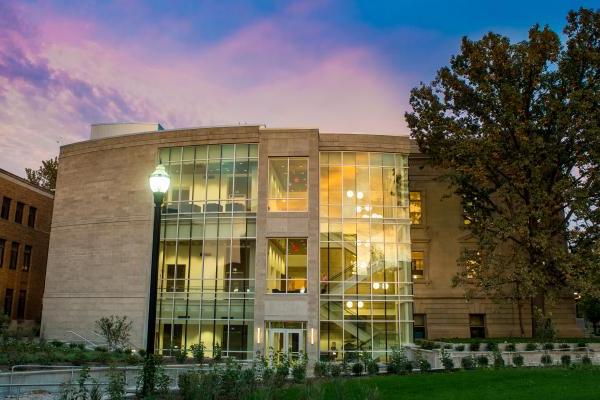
x: 489, y: 384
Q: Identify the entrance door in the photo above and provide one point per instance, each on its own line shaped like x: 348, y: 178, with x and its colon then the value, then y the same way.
x: 287, y: 341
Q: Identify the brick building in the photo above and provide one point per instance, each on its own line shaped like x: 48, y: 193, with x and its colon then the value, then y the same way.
x: 25, y: 217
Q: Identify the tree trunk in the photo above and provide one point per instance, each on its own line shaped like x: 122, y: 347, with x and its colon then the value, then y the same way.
x: 520, y: 310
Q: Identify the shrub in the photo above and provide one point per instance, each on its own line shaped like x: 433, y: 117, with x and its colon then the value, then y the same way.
x: 336, y: 370
x: 585, y: 360
x: 198, y: 352
x: 116, y: 384
x: 468, y: 362
x: 491, y: 346
x: 321, y: 369
x: 72, y: 345
x: 428, y: 345
x: 57, y: 343
x: 447, y: 346
x: 217, y: 353
x: 482, y: 361
x: 116, y: 330
x: 152, y: 378
x: 581, y: 345
x: 371, y: 366
x: 531, y: 347
x: 564, y: 347
x: 282, y: 368
x: 565, y: 360
x: 357, y: 368
x: 460, y: 347
x: 189, y: 384
x: 510, y: 347
x: 447, y: 361
x: 424, y: 365
x: 399, y: 362
x: 548, y: 346
x: 498, y: 359
x: 474, y: 346
x: 299, y: 368
x: 546, y: 359
x: 518, y: 360
x: 180, y: 355
x: 101, y: 349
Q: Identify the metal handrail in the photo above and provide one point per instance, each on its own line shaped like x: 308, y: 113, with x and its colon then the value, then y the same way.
x: 83, y: 338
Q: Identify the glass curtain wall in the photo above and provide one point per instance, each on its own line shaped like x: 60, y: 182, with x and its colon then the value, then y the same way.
x: 207, y: 249
x: 366, y: 289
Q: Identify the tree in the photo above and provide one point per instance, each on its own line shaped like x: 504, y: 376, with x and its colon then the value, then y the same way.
x: 45, y: 175
x: 115, y: 330
x: 515, y: 129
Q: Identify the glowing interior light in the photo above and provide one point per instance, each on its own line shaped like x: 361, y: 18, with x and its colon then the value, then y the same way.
x: 359, y: 195
x: 349, y: 304
x: 360, y: 304
x: 350, y: 194
x: 386, y: 286
x: 358, y: 209
x: 367, y: 208
x: 302, y: 290
x: 376, y: 285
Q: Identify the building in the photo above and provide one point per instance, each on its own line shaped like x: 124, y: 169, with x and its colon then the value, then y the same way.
x: 25, y: 219
x: 270, y: 238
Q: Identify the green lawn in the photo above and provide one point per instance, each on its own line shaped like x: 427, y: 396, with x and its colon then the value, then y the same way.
x: 490, y: 384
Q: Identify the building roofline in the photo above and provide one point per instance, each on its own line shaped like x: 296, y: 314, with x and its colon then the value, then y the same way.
x: 24, y: 182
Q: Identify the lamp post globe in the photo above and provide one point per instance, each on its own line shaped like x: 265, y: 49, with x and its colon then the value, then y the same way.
x: 159, y: 185
x: 159, y: 182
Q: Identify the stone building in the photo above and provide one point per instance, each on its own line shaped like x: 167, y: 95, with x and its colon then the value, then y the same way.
x: 25, y: 219
x: 290, y: 239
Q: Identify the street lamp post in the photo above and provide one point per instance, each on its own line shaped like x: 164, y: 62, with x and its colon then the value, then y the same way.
x: 159, y: 184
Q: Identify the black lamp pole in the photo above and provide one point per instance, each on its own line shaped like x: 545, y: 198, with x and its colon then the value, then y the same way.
x: 158, y: 199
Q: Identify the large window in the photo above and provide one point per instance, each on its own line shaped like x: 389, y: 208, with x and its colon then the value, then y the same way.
x: 286, y: 266
x: 19, y: 212
x: 477, y: 325
x: 207, y: 249
x: 8, y: 302
x: 5, y: 208
x: 365, y: 273
x: 32, y: 215
x: 415, y: 208
x: 288, y: 184
x: 2, y: 247
x: 417, y: 264
x: 14, y: 255
x: 27, y: 257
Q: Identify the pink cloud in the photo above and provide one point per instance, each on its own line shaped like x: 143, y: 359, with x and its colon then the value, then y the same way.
x: 57, y: 80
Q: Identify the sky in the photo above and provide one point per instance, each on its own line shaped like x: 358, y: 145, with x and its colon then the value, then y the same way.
x: 336, y: 65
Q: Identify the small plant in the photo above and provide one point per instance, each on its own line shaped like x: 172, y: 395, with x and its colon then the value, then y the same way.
x: 447, y: 361
x: 474, y: 346
x: 217, y: 353
x: 518, y: 360
x: 585, y: 360
x: 581, y: 345
x: 371, y: 366
x: 198, y: 352
x: 460, y: 347
x: 357, y: 368
x: 531, y: 347
x: 482, y: 361
x: 116, y: 330
x: 282, y: 368
x: 564, y: 347
x: 422, y: 363
x: 399, y: 362
x: 95, y: 391
x: 447, y: 346
x: 468, y: 362
x: 548, y: 346
x: 428, y: 345
x: 335, y: 370
x: 57, y: 343
x: 180, y: 355
x: 491, y: 346
x: 510, y: 347
x: 546, y: 359
x: 498, y: 359
x: 101, y: 349
x: 565, y: 360
x: 321, y: 369
x: 298, y: 368
x: 116, y: 384
x: 152, y: 378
